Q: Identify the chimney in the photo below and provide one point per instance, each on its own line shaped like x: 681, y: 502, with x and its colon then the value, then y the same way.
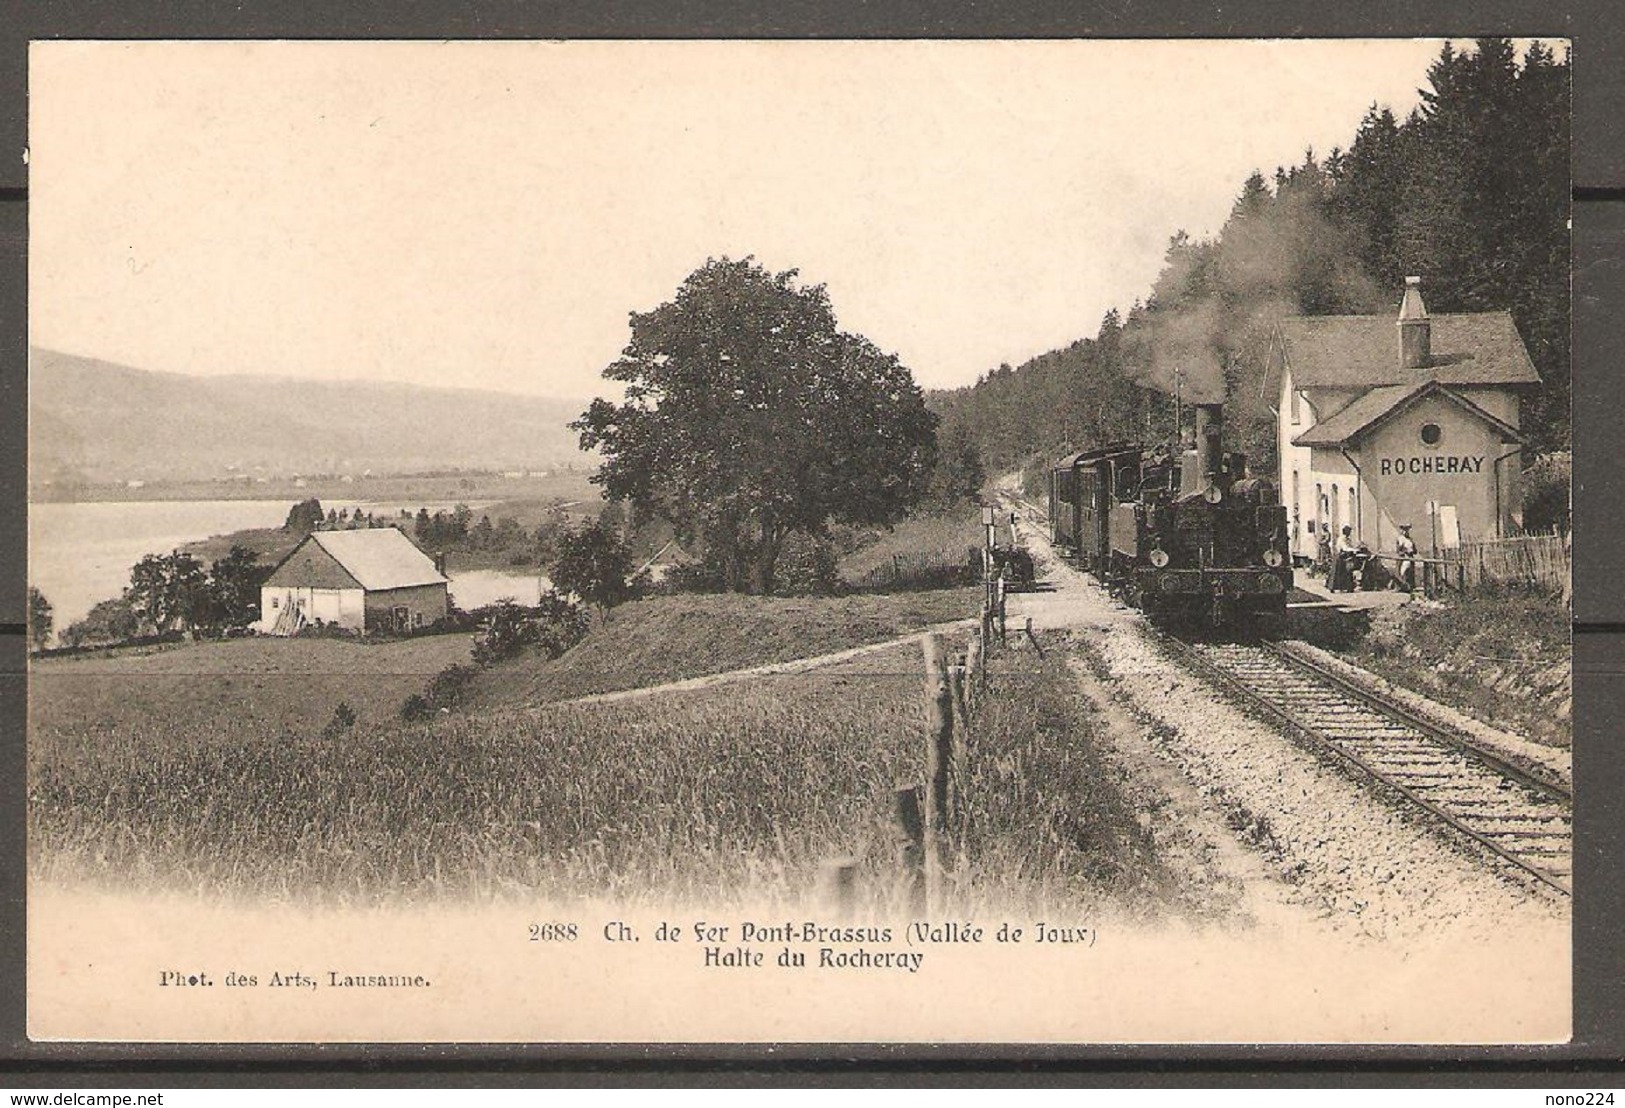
x: 440, y: 562
x: 1209, y: 440
x: 1415, y: 330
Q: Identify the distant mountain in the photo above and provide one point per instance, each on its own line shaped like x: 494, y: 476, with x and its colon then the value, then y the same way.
x: 96, y: 421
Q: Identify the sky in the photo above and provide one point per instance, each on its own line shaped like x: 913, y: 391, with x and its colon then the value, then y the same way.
x: 487, y: 214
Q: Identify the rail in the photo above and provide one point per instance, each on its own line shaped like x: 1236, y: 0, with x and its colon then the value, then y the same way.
x: 1519, y: 817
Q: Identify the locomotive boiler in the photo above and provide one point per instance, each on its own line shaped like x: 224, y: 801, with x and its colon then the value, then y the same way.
x: 1183, y: 537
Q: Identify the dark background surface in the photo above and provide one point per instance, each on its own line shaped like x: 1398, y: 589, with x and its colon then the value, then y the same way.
x: 1598, y: 1050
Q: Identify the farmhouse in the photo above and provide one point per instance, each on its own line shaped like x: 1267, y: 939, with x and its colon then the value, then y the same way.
x: 1413, y: 420
x: 366, y: 580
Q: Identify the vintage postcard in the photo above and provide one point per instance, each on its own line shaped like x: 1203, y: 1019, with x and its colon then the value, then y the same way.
x: 1000, y: 542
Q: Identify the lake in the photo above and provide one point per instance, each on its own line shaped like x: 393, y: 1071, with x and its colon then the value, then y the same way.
x: 81, y: 554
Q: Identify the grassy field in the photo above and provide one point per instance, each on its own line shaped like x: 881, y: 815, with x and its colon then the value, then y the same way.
x: 670, y: 638
x: 260, y: 685
x: 723, y: 796
x: 1050, y: 825
x: 1505, y: 656
x: 933, y: 539
x: 272, y: 544
x: 211, y: 767
x: 686, y: 795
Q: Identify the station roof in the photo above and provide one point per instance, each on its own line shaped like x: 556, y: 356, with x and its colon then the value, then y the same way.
x: 1372, y: 409
x: 1355, y: 351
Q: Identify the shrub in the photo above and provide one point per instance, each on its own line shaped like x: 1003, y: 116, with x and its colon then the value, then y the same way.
x: 323, y: 630
x: 555, y: 624
x: 596, y: 565
x: 1546, y: 492
x: 343, y: 719
x: 705, y: 576
x: 111, y: 621
x: 807, y: 565
x: 446, y: 688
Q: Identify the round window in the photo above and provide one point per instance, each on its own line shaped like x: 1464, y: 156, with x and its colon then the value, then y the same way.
x: 1431, y: 434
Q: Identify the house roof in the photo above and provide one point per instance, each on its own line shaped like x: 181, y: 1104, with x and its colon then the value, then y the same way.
x: 1371, y: 410
x: 308, y: 566
x: 1353, y: 418
x: 372, y: 559
x: 1355, y: 351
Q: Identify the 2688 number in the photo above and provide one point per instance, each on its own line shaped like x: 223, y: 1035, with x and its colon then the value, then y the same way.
x: 553, y: 933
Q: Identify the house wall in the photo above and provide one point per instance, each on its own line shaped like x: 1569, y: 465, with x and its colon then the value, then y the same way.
x: 424, y: 604
x: 1470, y: 468
x: 343, y: 607
x: 1297, y: 488
x: 1487, y: 500
x: 1332, y: 486
x: 1317, y: 485
x: 1500, y: 403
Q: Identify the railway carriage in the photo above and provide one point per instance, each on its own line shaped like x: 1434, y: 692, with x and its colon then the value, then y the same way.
x: 1182, y: 538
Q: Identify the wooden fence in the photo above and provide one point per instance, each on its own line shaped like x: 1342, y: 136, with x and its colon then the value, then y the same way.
x: 1534, y: 561
x: 928, y: 818
x: 933, y: 570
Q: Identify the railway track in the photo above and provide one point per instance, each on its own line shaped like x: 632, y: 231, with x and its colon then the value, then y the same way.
x: 1523, y: 820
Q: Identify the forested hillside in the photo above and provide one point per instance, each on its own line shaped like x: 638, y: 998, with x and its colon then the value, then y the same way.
x: 1471, y: 192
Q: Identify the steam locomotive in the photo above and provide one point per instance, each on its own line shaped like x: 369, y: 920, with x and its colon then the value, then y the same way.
x: 1187, y: 538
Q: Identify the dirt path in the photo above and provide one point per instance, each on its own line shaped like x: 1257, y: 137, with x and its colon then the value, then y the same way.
x: 772, y: 669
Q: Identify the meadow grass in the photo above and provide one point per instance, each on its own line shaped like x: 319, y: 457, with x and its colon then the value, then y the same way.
x: 1049, y: 825
x: 682, y: 795
x: 1503, y: 654
x: 274, y: 684
x: 941, y: 540
x: 672, y: 638
x: 719, y: 796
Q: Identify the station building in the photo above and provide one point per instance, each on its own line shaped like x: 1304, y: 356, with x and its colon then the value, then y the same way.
x: 1384, y: 421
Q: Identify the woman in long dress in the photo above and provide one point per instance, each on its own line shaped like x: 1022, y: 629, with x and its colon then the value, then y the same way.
x: 1342, y: 577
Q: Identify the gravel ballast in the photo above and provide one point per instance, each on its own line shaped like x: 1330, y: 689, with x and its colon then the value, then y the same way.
x: 1356, y: 857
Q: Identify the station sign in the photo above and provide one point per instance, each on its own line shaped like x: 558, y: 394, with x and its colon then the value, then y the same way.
x: 1430, y: 463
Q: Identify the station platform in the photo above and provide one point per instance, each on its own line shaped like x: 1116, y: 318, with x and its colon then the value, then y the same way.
x: 1356, y: 601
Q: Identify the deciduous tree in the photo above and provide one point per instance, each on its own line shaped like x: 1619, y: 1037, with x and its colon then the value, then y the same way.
x: 39, y: 619
x: 167, y: 591
x: 110, y: 621
x: 594, y: 564
x: 234, y: 589
x: 304, y: 517
x: 750, y: 415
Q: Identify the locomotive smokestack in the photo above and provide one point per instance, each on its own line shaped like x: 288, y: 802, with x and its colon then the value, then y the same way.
x: 1209, y: 441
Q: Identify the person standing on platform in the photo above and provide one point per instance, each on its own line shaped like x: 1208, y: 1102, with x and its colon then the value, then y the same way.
x: 1407, y: 558
x: 1342, y: 575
